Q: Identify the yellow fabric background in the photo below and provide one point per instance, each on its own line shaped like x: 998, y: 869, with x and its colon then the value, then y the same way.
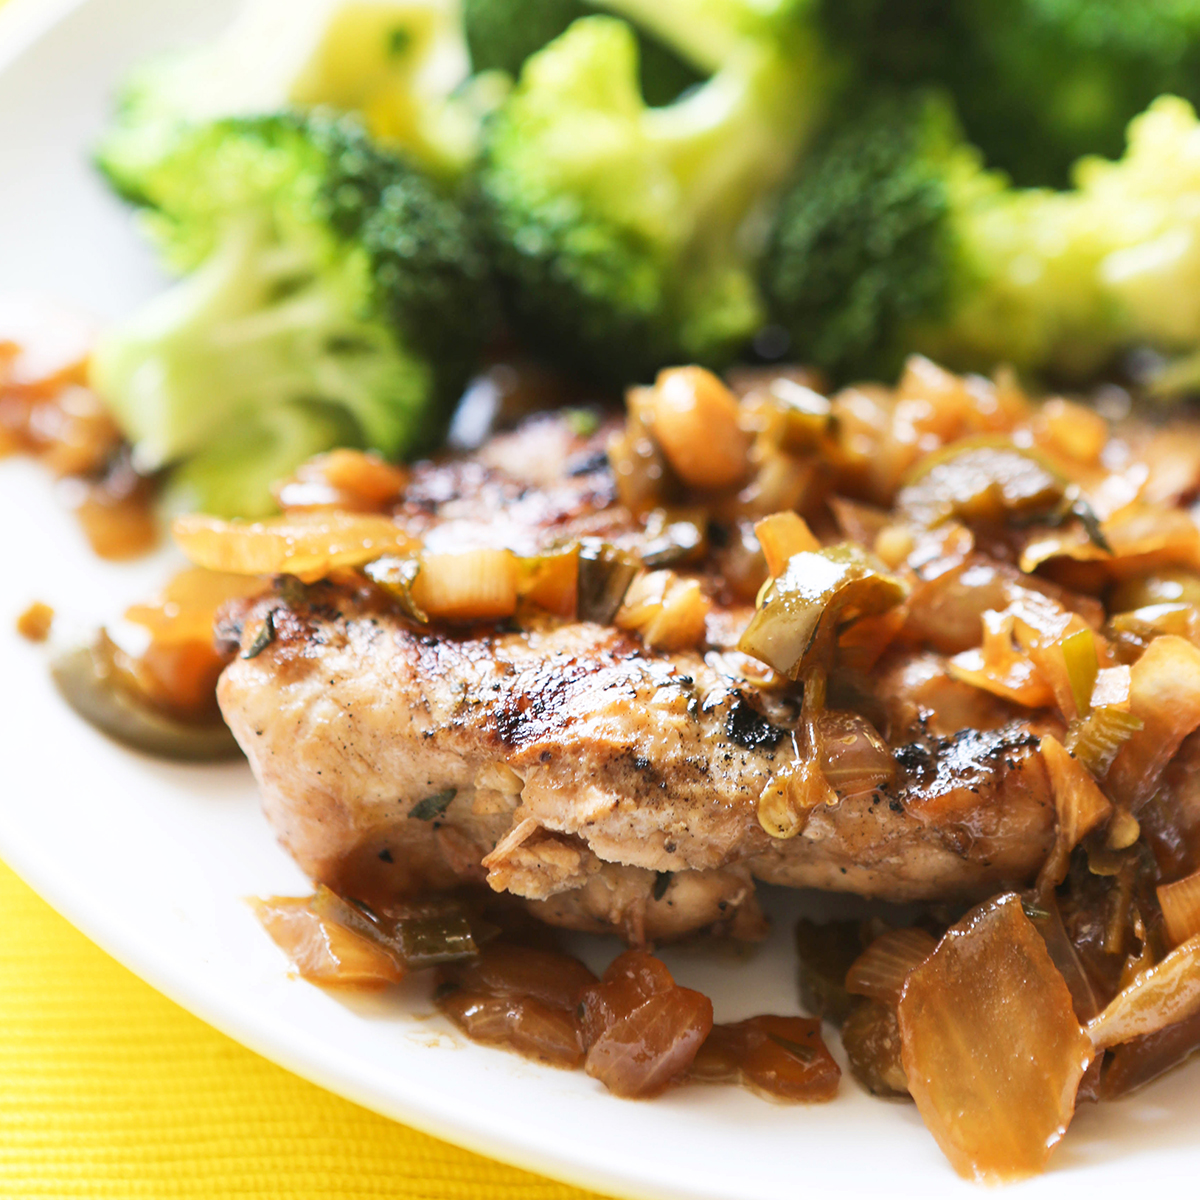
x: 108, y: 1089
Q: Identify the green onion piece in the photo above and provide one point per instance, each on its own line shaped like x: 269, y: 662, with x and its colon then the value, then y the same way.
x: 1096, y: 739
x: 423, y: 940
x: 605, y: 574
x: 396, y: 576
x: 983, y: 478
x: 1079, y: 649
x: 820, y: 591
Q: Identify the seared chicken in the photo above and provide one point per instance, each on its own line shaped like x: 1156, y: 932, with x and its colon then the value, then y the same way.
x: 610, y: 786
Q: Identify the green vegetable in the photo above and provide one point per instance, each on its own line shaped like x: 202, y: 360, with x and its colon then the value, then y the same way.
x: 335, y: 297
x: 398, y: 63
x: 1096, y: 739
x: 622, y: 231
x: 605, y: 574
x: 396, y: 576
x: 894, y: 239
x: 502, y: 34
x: 88, y: 679
x: 1038, y: 82
x: 800, y: 612
x: 1079, y: 651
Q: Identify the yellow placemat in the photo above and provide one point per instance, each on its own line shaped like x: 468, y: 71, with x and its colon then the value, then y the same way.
x: 108, y: 1089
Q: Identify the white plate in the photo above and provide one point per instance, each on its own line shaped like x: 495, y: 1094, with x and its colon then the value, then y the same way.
x: 153, y: 860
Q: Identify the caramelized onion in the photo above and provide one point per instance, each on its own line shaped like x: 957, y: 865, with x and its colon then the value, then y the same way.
x: 1079, y: 804
x: 322, y: 950
x: 667, y: 612
x: 1157, y: 997
x: 642, y: 1030
x: 1180, y: 904
x: 780, y: 1058
x: 801, y: 610
x: 781, y: 535
x: 882, y: 968
x: 185, y: 609
x: 993, y: 1052
x: 696, y: 421
x: 871, y: 1039
x: 1165, y: 696
x: 308, y: 545
x: 517, y: 1023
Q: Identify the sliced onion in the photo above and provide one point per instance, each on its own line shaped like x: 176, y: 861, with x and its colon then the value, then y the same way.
x: 1079, y: 803
x: 871, y: 1039
x: 1159, y: 996
x: 781, y: 535
x: 781, y: 1058
x: 305, y: 544
x: 323, y: 951
x: 882, y: 968
x: 696, y: 421
x: 1165, y: 696
x: 1000, y: 668
x: 992, y: 1050
x: 476, y: 585
x: 518, y: 1023
x: 1180, y: 904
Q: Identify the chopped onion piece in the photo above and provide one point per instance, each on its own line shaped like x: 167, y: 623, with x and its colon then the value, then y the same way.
x: 350, y: 480
x: 854, y: 758
x: 518, y: 1023
x: 667, y: 612
x: 184, y: 610
x: 1165, y: 696
x: 780, y: 1058
x: 1180, y: 904
x: 696, y: 421
x: 882, y: 968
x: 1079, y: 803
x: 550, y: 581
x: 992, y: 1050
x: 305, y: 544
x: 781, y: 535
x: 1133, y: 1064
x: 323, y: 951
x: 1159, y: 996
x: 1083, y: 667
x: 475, y: 585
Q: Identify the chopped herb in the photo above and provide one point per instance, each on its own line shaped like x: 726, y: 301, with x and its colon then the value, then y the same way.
x: 432, y: 806
x: 662, y: 881
x: 1033, y: 912
x: 1091, y: 524
x: 795, y: 1049
x: 263, y: 638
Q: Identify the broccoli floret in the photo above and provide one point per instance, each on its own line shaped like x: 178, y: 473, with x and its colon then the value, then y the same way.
x: 333, y: 296
x: 894, y: 238
x: 502, y: 34
x: 1037, y: 83
x: 624, y: 232
x: 397, y: 63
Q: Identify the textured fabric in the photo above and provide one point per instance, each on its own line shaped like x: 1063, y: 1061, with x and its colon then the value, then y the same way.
x: 108, y: 1089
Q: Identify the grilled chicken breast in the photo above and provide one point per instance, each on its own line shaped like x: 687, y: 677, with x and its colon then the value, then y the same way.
x: 609, y: 785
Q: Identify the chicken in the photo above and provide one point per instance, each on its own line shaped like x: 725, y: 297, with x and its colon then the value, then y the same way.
x: 608, y: 785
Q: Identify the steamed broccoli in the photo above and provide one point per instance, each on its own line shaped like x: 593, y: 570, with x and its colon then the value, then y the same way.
x: 1037, y: 83
x: 397, y: 63
x: 334, y: 296
x: 502, y: 34
x: 894, y: 238
x: 623, y: 232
